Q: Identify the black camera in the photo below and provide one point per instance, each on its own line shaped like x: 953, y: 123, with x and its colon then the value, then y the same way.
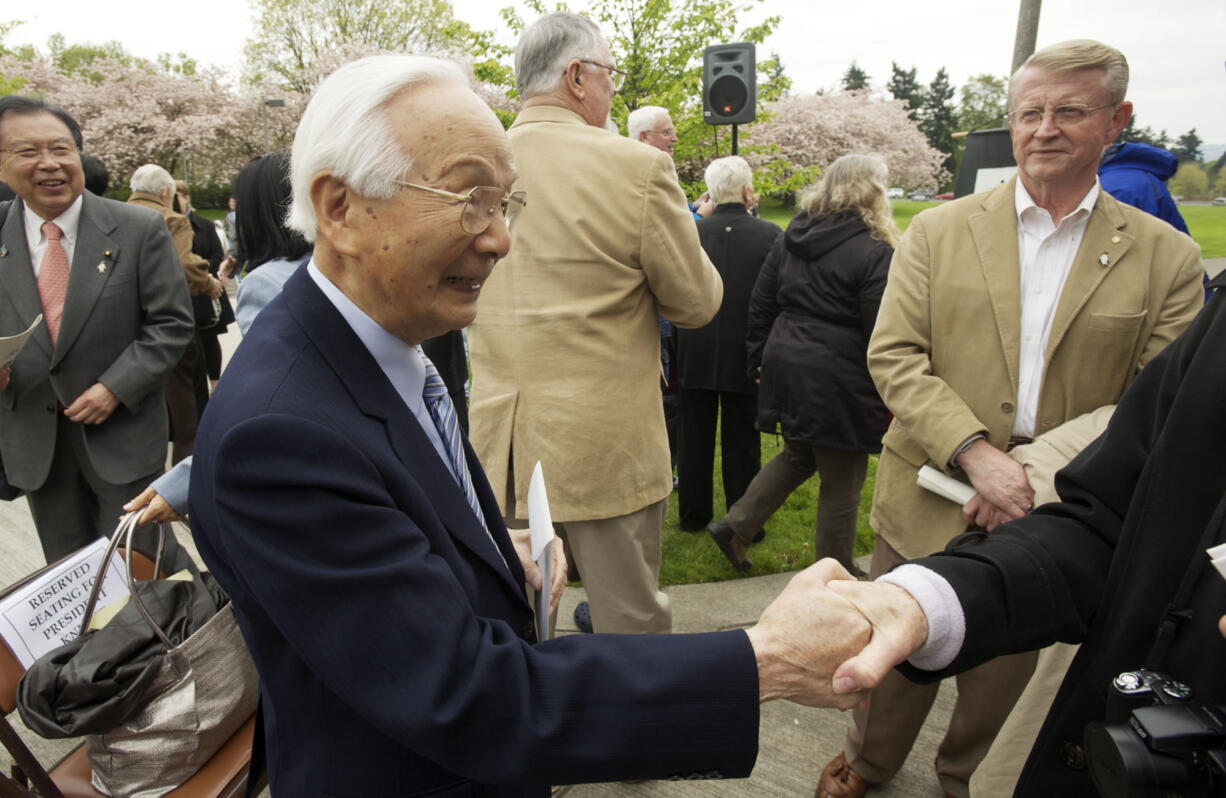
x: 1157, y: 740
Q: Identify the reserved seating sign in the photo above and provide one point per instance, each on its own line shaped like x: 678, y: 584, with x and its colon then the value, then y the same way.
x: 46, y: 612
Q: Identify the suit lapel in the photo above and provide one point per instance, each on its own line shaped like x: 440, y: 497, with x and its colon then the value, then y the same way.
x: 93, y: 262
x: 994, y: 232
x: 376, y: 397
x: 17, y: 275
x: 1102, y: 246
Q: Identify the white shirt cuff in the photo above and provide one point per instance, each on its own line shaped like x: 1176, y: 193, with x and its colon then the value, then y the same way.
x: 940, y: 604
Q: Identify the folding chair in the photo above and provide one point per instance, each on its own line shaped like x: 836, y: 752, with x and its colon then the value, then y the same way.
x: 223, y: 776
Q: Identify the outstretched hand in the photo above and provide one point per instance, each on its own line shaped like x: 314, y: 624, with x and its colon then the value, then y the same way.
x: 805, y: 633
x: 899, y: 627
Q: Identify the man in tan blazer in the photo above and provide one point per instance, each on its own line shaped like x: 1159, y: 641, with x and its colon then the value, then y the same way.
x: 1006, y: 314
x: 566, y: 349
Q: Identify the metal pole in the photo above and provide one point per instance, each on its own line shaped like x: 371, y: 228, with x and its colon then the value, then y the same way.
x: 1027, y: 32
x: 734, y: 139
x: 264, y: 121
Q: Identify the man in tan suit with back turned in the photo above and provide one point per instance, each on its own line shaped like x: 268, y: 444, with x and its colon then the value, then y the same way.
x: 1007, y: 314
x: 566, y: 349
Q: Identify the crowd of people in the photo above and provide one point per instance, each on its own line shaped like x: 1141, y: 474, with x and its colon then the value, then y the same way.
x: 366, y: 511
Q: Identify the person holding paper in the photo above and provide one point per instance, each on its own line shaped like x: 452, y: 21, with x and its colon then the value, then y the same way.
x: 1119, y: 564
x: 336, y: 501
x: 1006, y: 314
x: 82, y: 411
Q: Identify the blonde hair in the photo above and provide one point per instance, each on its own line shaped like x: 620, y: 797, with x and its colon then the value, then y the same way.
x: 854, y: 183
x: 1081, y: 54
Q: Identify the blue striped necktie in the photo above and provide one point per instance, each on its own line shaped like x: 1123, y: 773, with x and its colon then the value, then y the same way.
x: 448, y: 426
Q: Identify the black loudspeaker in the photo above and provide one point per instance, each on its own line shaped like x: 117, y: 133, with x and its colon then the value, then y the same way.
x: 729, y: 83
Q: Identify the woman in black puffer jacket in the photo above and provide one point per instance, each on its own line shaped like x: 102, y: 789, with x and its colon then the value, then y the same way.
x: 812, y: 311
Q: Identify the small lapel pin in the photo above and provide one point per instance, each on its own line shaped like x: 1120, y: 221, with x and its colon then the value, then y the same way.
x: 1115, y: 239
x: 102, y: 267
x: 108, y: 253
x: 1104, y: 260
x: 4, y: 250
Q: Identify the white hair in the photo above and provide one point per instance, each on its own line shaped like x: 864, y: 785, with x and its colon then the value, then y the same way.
x: 344, y: 130
x: 548, y: 45
x: 726, y: 176
x: 152, y: 179
x: 644, y: 119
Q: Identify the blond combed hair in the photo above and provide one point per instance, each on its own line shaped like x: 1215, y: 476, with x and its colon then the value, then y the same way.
x: 855, y: 183
x: 1077, y: 54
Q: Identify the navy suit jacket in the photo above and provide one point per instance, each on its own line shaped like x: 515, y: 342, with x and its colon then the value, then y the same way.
x: 395, y: 645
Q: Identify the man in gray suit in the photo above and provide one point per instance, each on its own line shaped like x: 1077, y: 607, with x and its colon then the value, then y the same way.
x: 82, y: 415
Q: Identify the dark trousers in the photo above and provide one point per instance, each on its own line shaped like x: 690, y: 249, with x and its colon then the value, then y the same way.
x: 76, y: 505
x: 740, y: 448
x: 181, y: 401
x: 838, y: 496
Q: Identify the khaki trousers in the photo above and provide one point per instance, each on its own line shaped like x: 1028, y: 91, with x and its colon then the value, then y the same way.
x: 1000, y: 769
x: 882, y: 736
x: 619, y: 563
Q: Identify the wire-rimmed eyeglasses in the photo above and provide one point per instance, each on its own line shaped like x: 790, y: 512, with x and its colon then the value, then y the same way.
x: 616, y: 75
x: 1061, y: 116
x: 480, y: 205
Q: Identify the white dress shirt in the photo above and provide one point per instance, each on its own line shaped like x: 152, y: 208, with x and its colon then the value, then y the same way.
x: 1045, y: 251
x: 68, y: 222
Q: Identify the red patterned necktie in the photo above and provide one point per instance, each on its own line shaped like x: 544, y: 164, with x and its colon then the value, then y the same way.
x: 53, y: 279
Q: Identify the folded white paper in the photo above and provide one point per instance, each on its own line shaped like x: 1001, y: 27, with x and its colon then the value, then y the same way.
x: 1218, y: 555
x: 540, y: 527
x: 944, y: 485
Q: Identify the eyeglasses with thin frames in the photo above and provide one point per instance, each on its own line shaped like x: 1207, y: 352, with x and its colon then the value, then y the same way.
x: 616, y: 75
x: 479, y: 205
x: 1062, y: 116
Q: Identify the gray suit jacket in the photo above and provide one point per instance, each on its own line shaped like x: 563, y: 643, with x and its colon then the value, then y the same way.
x: 127, y: 319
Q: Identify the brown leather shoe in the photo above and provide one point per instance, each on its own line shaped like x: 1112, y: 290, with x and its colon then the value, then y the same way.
x: 838, y: 780
x: 733, y: 547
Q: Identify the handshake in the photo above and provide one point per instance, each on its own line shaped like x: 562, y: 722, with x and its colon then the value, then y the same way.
x: 828, y: 639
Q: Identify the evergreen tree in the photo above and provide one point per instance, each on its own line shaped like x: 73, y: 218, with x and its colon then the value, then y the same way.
x: 1144, y: 135
x: 855, y: 78
x: 938, y: 118
x: 904, y: 86
x: 1188, y: 147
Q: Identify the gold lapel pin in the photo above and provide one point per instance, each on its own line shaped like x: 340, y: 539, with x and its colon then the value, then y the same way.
x: 4, y: 250
x: 1104, y: 260
x: 1115, y: 239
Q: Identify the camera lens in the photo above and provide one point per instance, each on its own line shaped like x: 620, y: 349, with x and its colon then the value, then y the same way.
x: 1121, y: 764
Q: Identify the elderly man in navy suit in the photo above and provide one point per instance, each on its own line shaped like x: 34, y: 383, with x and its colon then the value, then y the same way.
x: 335, y: 499
x: 82, y: 415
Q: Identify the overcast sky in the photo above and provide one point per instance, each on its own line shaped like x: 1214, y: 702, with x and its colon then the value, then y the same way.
x: 1176, y: 49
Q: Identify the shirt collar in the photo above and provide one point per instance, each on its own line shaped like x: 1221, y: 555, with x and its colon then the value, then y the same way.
x: 69, y: 222
x: 1023, y: 202
x: 400, y: 362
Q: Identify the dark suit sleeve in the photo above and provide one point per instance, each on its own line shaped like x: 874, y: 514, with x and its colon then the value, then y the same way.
x: 166, y: 310
x: 763, y: 308
x: 342, y: 568
x: 1039, y: 580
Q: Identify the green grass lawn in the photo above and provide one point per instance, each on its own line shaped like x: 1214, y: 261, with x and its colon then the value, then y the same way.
x: 1207, y: 224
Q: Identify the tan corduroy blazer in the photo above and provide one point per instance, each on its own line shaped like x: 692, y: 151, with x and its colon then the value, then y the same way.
x: 944, y: 354
x: 566, y: 348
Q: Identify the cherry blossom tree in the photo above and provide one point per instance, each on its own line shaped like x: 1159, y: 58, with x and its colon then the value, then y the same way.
x: 807, y: 132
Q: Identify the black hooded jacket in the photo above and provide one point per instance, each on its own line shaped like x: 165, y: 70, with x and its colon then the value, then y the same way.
x: 810, y: 317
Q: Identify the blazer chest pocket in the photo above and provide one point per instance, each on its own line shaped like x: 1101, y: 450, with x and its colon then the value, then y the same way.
x: 1116, y: 322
